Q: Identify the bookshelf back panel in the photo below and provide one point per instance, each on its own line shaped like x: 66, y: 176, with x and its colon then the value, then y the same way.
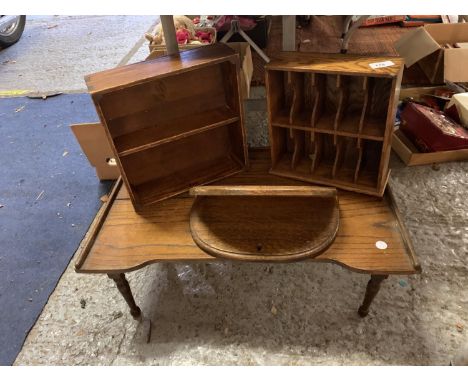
x: 179, y: 164
x: 162, y: 100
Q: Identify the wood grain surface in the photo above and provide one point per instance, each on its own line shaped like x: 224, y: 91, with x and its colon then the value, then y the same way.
x: 264, y: 227
x: 129, y: 75
x: 127, y: 241
x: 173, y: 122
x: 353, y: 108
x: 334, y: 63
x: 263, y: 191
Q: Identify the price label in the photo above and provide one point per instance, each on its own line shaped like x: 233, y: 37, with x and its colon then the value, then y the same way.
x: 383, y: 64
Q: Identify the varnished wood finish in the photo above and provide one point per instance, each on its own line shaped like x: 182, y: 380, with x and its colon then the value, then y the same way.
x: 339, y: 122
x: 173, y: 122
x: 373, y: 287
x: 128, y: 241
x: 96, y: 225
x: 124, y: 288
x: 169, y: 65
x: 264, y: 223
x: 308, y: 191
x: 333, y: 64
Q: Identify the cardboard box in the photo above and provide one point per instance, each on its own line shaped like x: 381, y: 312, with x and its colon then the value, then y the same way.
x: 411, y: 156
x: 93, y: 141
x: 432, y: 48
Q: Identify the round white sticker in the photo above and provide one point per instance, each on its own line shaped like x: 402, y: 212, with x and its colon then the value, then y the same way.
x: 381, y: 244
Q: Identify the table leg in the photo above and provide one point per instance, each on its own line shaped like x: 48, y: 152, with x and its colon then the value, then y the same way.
x: 124, y: 289
x: 373, y: 287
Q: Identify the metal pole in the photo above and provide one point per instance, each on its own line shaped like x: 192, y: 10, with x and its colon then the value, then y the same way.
x: 289, y: 33
x: 348, y: 31
x: 167, y: 23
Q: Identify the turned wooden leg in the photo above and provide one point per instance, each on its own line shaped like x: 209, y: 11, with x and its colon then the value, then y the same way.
x: 124, y: 289
x: 372, y: 289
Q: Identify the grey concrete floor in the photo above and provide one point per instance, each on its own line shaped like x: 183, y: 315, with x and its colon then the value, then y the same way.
x: 290, y: 314
x: 56, y: 52
x: 248, y: 314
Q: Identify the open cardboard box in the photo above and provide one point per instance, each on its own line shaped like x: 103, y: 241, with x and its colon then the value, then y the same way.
x: 408, y: 152
x: 432, y: 48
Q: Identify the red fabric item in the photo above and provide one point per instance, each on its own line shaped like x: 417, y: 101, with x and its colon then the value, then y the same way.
x: 182, y: 36
x: 204, y: 37
x: 431, y: 130
x: 224, y: 23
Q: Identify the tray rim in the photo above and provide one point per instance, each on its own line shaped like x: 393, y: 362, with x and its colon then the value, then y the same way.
x: 313, y: 192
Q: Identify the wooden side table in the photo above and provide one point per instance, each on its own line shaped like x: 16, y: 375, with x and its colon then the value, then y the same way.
x: 371, y: 239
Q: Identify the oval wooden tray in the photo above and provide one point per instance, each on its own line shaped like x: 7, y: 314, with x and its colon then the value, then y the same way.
x: 264, y: 223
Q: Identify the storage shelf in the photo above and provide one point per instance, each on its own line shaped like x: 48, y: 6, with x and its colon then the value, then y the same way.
x: 183, y: 163
x: 372, y: 130
x: 325, y: 124
x: 367, y: 181
x: 173, y: 122
x: 331, y: 126
x: 174, y: 129
x: 167, y: 186
x: 342, y: 163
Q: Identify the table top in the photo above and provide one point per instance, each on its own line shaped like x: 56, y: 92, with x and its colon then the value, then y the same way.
x: 121, y: 240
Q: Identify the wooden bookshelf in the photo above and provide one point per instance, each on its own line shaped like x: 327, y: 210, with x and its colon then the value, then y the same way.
x: 331, y: 118
x: 173, y: 122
